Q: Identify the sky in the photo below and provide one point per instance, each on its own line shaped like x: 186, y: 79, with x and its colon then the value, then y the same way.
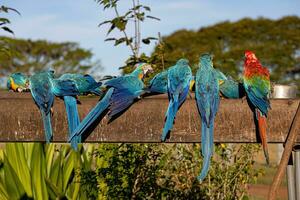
x: 77, y: 21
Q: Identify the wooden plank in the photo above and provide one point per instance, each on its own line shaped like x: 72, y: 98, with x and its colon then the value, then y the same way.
x: 20, y: 121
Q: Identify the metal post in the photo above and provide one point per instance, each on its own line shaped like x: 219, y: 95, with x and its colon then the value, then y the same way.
x: 297, y: 173
x: 291, y: 179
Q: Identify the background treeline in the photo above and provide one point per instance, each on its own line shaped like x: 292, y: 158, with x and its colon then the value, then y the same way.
x: 275, y: 42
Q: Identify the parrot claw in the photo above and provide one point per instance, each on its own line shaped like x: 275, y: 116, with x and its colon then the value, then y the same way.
x: 52, y: 112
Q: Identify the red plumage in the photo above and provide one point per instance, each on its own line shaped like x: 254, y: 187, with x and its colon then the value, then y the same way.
x: 252, y: 66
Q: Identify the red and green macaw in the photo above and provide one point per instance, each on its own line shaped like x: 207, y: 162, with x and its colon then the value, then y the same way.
x: 257, y: 85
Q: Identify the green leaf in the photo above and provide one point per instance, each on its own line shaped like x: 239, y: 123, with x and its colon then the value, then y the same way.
x: 109, y: 39
x: 7, y: 29
x: 38, y: 173
x: 5, y: 20
x: 112, y: 27
x: 119, y: 41
x: 50, y: 150
x: 16, y: 150
x: 105, y: 22
x: 68, y: 168
x: 120, y: 23
x: 152, y: 17
x: 147, y: 8
x: 13, y: 185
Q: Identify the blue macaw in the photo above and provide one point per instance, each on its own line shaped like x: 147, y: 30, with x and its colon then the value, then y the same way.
x: 85, y: 84
x: 208, y: 99
x: 179, y: 77
x: 44, y: 88
x: 18, y: 82
x: 158, y: 84
x: 120, y: 95
x: 229, y: 88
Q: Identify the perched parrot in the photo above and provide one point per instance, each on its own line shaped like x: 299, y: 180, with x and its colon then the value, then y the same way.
x: 179, y: 77
x: 158, y: 84
x: 85, y: 84
x: 208, y: 99
x: 229, y: 88
x: 121, y: 93
x: 257, y: 85
x: 44, y: 88
x: 18, y: 82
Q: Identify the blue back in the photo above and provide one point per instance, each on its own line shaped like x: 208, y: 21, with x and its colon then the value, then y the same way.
x: 179, y: 77
x: 41, y: 90
x: 207, y: 90
x: 159, y: 83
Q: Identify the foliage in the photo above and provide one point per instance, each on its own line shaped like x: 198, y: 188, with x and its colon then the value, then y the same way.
x: 136, y: 14
x: 151, y: 171
x: 40, y: 54
x: 4, y: 22
x: 37, y: 171
x: 276, y: 43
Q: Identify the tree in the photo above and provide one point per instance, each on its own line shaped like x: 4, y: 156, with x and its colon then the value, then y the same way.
x: 38, y: 55
x: 276, y: 43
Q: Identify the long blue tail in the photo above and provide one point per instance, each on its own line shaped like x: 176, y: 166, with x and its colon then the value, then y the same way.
x: 47, y: 126
x: 87, y: 125
x: 207, y: 148
x: 72, y: 114
x: 170, y: 116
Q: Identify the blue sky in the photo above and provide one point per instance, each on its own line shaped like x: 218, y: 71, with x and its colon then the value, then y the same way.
x: 70, y: 20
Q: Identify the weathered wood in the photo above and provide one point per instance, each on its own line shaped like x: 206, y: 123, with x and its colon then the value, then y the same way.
x: 20, y: 120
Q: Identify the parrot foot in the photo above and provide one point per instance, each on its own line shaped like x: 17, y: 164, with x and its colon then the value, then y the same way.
x: 52, y: 112
x: 244, y: 99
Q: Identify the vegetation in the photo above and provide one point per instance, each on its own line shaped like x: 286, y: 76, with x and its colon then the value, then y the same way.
x: 38, y: 171
x: 121, y: 22
x: 276, y: 43
x: 151, y: 171
x: 39, y: 55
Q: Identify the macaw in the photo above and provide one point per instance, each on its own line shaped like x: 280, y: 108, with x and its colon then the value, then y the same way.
x: 18, y: 82
x: 158, y: 84
x: 229, y: 88
x: 85, y: 84
x: 121, y: 93
x: 208, y: 99
x: 256, y: 79
x: 179, y: 78
x: 44, y: 88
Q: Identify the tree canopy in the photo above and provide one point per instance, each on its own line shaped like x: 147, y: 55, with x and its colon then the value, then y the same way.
x: 34, y: 55
x: 275, y: 42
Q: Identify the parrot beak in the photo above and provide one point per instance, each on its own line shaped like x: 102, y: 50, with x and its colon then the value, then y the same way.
x: 192, y: 84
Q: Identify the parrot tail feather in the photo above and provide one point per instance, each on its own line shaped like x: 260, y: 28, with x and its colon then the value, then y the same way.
x: 47, y: 125
x: 262, y: 128
x: 72, y: 113
x: 90, y: 122
x: 170, y: 117
x: 207, y: 149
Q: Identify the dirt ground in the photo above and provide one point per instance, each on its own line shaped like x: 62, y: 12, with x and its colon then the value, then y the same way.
x: 261, y: 192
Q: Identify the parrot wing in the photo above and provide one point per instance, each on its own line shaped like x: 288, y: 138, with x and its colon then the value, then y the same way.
x: 126, y: 89
x: 258, y: 92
